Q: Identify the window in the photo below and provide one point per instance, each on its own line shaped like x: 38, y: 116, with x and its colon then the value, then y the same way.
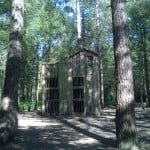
x: 78, y: 81
x: 90, y: 59
x: 78, y: 106
x: 78, y: 94
x: 52, y: 82
x: 53, y: 107
x: 52, y: 95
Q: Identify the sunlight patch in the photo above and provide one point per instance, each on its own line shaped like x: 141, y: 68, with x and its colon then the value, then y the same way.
x: 84, y: 141
x: 6, y: 104
x: 27, y: 123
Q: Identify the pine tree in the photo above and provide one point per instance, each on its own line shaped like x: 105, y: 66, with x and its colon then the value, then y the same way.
x: 8, y: 117
x: 125, y: 115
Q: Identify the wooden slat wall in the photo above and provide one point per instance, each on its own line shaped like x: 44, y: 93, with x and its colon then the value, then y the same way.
x: 51, y: 89
x: 77, y: 67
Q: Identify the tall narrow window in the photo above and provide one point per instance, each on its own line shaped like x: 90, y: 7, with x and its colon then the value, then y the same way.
x: 78, y: 94
x: 52, y: 95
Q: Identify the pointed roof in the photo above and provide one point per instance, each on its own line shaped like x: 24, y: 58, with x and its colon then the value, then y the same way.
x: 84, y: 50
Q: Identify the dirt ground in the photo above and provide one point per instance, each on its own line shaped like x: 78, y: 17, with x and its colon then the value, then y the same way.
x: 41, y: 132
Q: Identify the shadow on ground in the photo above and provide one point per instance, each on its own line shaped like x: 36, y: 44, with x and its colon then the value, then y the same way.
x: 37, y: 132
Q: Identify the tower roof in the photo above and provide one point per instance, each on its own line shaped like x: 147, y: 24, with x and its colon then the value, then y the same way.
x: 84, y: 51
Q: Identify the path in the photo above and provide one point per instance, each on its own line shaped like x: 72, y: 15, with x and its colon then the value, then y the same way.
x: 73, y: 133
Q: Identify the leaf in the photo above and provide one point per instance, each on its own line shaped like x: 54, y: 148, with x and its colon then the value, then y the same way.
x: 68, y: 9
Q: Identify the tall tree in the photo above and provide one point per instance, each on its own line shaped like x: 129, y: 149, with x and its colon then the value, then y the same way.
x: 79, y: 25
x: 125, y: 115
x: 8, y: 117
x: 146, y: 71
x: 99, y: 51
x: 139, y: 24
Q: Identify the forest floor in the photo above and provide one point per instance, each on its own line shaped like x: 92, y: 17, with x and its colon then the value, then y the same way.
x: 42, y: 132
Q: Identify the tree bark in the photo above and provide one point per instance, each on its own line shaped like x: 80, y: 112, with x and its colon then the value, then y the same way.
x: 146, y: 72
x: 8, y: 118
x: 141, y: 79
x: 125, y: 115
x: 83, y: 26
x: 37, y: 79
x: 99, y: 51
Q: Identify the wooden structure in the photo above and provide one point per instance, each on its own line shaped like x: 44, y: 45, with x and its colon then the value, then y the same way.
x: 72, y: 86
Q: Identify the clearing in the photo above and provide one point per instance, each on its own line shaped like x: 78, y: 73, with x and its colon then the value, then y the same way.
x: 40, y: 132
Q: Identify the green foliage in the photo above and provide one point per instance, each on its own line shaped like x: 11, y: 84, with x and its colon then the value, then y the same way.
x: 29, y: 106
x: 110, y: 103
x: 50, y: 36
x: 141, y: 105
x: 109, y: 73
x: 5, y: 6
x: 4, y: 38
x: 139, y: 21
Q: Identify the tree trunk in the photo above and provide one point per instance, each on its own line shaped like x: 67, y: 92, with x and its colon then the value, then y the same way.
x: 79, y: 26
x: 141, y: 79
x: 37, y: 79
x: 83, y: 27
x: 8, y: 118
x: 146, y: 73
x: 125, y: 115
x: 99, y: 51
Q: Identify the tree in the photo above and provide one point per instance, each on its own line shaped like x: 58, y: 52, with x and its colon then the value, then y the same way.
x: 5, y: 7
x: 8, y: 117
x: 125, y: 115
x: 79, y: 26
x: 4, y: 37
x: 99, y: 51
x: 49, y: 37
x: 139, y: 24
x: 144, y: 37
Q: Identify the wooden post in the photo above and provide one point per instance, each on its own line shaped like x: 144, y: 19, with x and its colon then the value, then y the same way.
x: 43, y: 87
x: 86, y: 97
x: 60, y: 88
x: 96, y: 89
x: 70, y: 89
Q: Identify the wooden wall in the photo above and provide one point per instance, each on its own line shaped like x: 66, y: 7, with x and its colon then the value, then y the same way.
x: 83, y: 65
